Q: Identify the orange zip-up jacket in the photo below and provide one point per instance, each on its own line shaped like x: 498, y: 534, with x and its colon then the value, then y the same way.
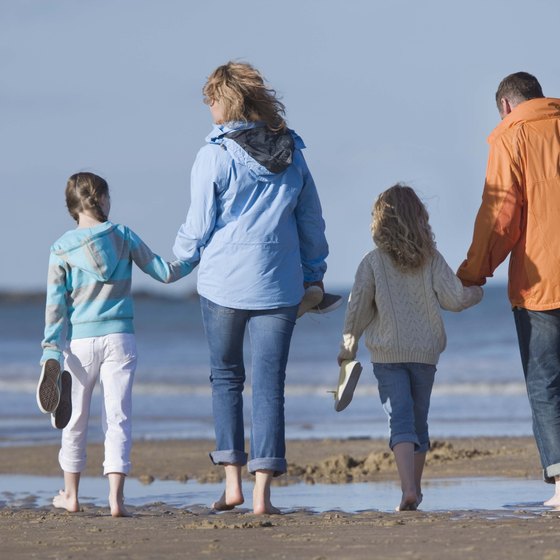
x: 520, y: 210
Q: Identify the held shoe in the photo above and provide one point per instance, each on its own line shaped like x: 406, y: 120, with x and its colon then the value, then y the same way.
x: 61, y: 416
x: 48, y: 389
x: 347, y: 380
x: 311, y: 298
x: 330, y: 302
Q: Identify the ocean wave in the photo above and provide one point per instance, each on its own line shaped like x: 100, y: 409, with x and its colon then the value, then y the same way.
x: 292, y: 390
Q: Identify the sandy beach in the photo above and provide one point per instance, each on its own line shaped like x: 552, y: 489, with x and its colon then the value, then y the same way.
x: 158, y: 531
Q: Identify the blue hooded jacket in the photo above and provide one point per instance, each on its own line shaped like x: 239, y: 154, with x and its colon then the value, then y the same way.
x: 255, y: 221
x: 89, y: 282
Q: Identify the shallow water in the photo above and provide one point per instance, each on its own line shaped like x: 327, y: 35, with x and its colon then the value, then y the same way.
x: 506, y: 496
x: 180, y: 416
x: 479, y: 389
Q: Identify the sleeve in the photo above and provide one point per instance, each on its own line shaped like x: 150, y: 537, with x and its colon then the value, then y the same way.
x: 56, y: 310
x: 153, y: 264
x: 194, y: 234
x: 311, y: 229
x: 449, y: 290
x: 360, y: 311
x: 497, y: 226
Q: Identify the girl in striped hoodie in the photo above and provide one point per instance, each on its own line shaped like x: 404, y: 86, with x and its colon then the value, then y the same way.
x: 89, y: 329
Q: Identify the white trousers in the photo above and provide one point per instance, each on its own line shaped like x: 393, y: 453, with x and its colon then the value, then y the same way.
x: 112, y: 360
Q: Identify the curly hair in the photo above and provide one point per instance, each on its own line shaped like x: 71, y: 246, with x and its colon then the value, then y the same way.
x: 401, y: 227
x: 84, y: 192
x: 240, y: 87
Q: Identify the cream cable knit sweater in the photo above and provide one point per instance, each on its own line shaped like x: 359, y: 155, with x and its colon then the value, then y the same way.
x: 400, y: 312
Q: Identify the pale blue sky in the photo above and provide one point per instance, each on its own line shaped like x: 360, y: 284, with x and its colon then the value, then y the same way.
x: 381, y: 92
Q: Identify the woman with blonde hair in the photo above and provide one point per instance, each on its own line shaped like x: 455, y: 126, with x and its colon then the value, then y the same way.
x: 255, y: 227
x: 398, y: 291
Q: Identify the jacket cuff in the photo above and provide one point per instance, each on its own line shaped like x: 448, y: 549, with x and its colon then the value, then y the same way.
x: 51, y: 355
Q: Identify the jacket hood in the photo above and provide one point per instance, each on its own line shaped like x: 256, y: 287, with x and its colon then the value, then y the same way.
x: 531, y: 110
x: 264, y: 152
x: 94, y: 250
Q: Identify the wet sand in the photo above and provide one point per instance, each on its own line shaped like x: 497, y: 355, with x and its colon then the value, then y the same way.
x: 159, y: 531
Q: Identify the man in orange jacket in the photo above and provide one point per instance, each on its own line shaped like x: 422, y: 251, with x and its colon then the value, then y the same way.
x: 520, y: 214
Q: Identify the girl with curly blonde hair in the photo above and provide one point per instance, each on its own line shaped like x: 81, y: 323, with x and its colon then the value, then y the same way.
x: 395, y: 302
x: 401, y: 227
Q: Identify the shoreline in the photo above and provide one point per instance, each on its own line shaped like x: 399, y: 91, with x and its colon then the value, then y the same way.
x: 313, y: 461
x: 159, y: 530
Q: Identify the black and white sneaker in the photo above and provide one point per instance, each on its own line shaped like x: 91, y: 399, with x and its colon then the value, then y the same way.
x: 61, y: 416
x: 48, y: 389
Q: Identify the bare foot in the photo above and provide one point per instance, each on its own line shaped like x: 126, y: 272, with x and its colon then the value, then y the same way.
x: 265, y: 509
x: 118, y: 509
x: 261, y: 494
x: 64, y: 501
x: 229, y: 501
x: 554, y: 501
x: 409, y: 502
x: 262, y: 505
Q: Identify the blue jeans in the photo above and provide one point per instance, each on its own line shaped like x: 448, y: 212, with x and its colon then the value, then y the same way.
x: 270, y: 333
x: 538, y: 333
x: 405, y: 390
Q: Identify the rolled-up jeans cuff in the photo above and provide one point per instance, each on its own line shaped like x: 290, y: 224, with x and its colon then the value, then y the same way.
x: 550, y: 472
x: 423, y: 447
x: 404, y: 438
x: 121, y: 469
x: 232, y: 457
x: 277, y: 465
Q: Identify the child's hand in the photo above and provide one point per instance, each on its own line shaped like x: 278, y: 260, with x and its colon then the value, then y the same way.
x: 343, y: 358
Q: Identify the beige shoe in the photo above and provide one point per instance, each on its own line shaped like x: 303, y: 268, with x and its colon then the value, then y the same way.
x: 330, y: 302
x: 347, y: 380
x: 311, y: 298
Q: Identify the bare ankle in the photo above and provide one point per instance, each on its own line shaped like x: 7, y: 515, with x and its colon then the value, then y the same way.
x: 67, y: 501
x: 261, y: 494
x: 118, y: 509
x: 409, y: 501
x: 229, y: 500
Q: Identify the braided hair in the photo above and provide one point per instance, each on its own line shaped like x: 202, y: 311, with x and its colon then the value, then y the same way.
x: 84, y: 193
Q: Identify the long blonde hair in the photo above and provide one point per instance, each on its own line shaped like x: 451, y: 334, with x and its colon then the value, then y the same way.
x: 401, y: 227
x: 244, y: 95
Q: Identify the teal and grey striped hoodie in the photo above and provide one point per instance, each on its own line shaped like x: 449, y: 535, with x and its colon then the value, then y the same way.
x: 89, y: 281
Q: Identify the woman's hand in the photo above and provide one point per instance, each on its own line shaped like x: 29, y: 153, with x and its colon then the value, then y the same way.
x: 318, y: 283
